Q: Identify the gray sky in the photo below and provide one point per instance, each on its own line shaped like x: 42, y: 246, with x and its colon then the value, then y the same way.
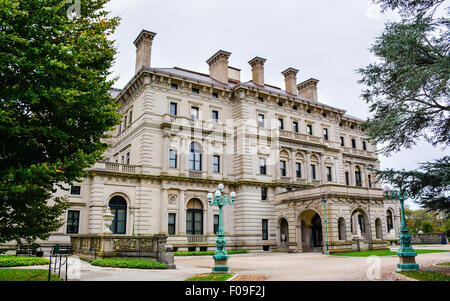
x: 324, y: 39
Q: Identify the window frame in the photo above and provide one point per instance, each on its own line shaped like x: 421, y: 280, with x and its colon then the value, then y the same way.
x: 172, y: 226
x: 71, y: 225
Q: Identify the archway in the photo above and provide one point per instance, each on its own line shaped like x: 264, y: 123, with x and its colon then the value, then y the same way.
x: 360, y: 225
x: 118, y: 207
x: 341, y: 228
x: 311, y: 230
x: 194, y: 217
x: 378, y: 229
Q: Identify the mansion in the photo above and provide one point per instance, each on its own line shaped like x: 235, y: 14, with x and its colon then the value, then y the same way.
x: 281, y: 150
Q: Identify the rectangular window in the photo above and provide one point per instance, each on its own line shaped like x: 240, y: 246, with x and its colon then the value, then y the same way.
x: 262, y: 166
x: 174, y: 86
x: 131, y: 116
x: 313, y: 171
x: 215, y: 116
x: 216, y: 163
x: 215, y: 95
x: 171, y: 228
x: 265, y: 229
x: 128, y: 158
x: 125, y: 122
x: 195, y: 91
x: 173, y: 108
x: 353, y: 143
x: 260, y: 99
x: 347, y: 178
x: 329, y: 178
x: 172, y: 159
x: 263, y: 193
x: 75, y: 190
x: 342, y: 141
x: 123, y: 159
x: 370, y: 180
x: 325, y: 134
x: 280, y: 124
x: 216, y: 224
x: 309, y: 130
x: 194, y: 112
x: 194, y: 222
x: 261, y: 120
x: 73, y: 221
x: 283, y: 168
x: 298, y: 170
x: 295, y: 126
x: 364, y: 145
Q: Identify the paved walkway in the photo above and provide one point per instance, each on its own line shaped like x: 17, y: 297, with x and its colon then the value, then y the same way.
x: 268, y: 266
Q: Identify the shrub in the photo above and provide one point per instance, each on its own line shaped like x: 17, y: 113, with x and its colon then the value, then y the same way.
x: 11, y: 261
x: 128, y: 263
x: 203, y: 253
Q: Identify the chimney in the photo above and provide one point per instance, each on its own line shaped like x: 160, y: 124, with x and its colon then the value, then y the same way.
x: 290, y: 79
x: 218, y: 66
x: 257, y: 64
x: 143, y: 45
x: 308, y: 89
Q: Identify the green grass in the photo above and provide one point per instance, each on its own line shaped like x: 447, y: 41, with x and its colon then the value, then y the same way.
x: 444, y: 263
x: 426, y: 275
x: 26, y: 275
x: 386, y: 252
x: 129, y: 263
x: 210, y: 277
x: 203, y: 253
x: 12, y: 261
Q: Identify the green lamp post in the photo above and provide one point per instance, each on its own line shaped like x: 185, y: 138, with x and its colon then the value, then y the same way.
x: 406, y: 252
x: 324, y: 201
x: 221, y: 255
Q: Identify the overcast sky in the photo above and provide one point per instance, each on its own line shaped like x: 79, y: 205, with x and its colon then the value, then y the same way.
x: 325, y: 39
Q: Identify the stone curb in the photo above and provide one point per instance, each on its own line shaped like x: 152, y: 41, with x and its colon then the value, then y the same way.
x: 406, y: 277
x: 231, y: 279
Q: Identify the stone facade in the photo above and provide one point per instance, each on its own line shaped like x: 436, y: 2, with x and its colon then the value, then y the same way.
x: 184, y: 132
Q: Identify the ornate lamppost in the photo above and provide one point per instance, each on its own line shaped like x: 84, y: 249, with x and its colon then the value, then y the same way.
x: 221, y: 255
x: 406, y: 252
x: 324, y: 201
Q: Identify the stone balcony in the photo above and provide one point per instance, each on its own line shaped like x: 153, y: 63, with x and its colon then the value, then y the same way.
x: 118, y: 168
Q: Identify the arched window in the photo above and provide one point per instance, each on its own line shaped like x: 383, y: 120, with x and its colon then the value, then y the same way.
x: 195, y: 157
x: 118, y: 207
x: 378, y: 228
x: 357, y: 176
x: 341, y: 227
x: 389, y: 220
x: 194, y: 217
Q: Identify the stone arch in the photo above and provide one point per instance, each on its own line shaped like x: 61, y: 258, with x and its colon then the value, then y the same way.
x: 358, y: 176
x: 390, y: 221
x: 118, y: 206
x: 378, y: 229
x: 360, y: 217
x: 283, y: 232
x: 342, y: 232
x: 310, y: 235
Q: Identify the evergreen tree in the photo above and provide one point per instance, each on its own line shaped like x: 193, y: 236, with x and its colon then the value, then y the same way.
x: 55, y: 106
x: 408, y: 93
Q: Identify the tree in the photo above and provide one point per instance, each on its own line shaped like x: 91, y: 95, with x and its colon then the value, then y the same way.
x: 55, y: 107
x: 408, y: 93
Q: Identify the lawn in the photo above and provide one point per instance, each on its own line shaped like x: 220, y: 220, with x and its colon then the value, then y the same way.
x: 204, y: 253
x: 26, y: 275
x: 386, y: 252
x: 444, y: 263
x: 210, y: 277
x: 426, y: 275
x: 12, y: 261
x: 129, y: 263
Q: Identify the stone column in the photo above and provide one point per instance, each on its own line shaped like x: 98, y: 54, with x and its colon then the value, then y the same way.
x: 308, y: 167
x: 208, y: 166
x: 323, y: 174
x: 164, y: 228
x: 352, y: 174
x: 293, y: 166
x: 181, y: 214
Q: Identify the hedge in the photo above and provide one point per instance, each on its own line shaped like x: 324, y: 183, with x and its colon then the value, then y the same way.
x: 12, y: 261
x: 128, y: 263
x: 203, y: 253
